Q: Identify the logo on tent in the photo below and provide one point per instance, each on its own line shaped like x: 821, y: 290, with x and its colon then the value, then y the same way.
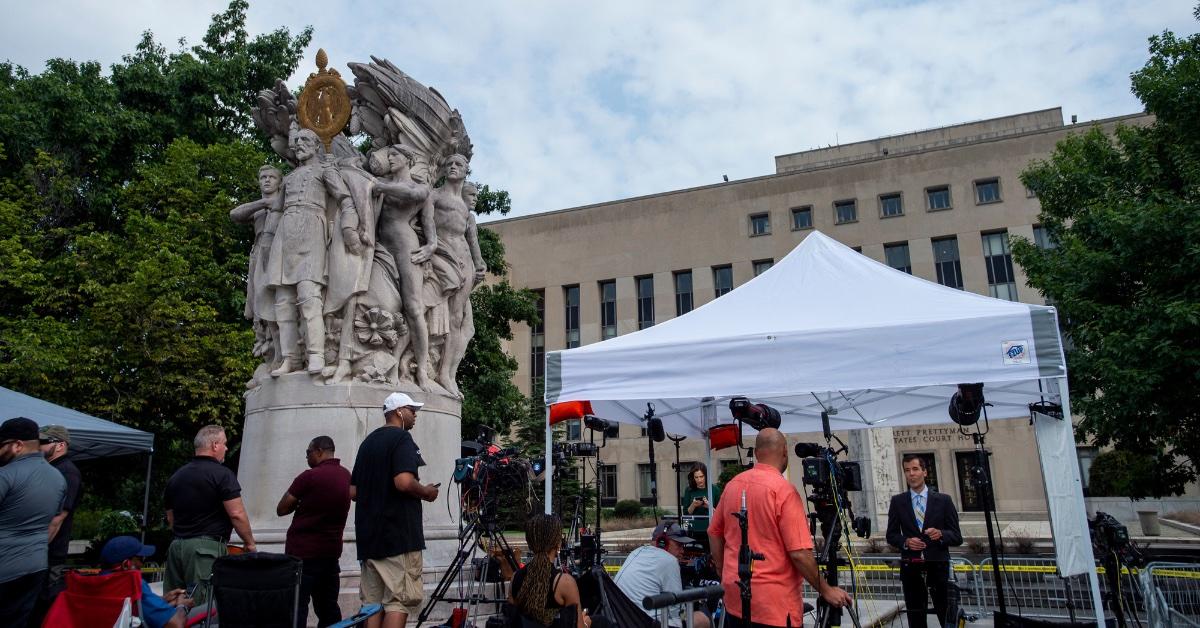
x: 1016, y: 352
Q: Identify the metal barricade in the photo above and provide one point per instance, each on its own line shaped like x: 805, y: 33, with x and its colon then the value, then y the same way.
x: 1172, y: 593
x: 877, y: 578
x: 1032, y: 585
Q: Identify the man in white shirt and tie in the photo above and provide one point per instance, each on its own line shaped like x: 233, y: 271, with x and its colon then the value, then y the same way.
x: 923, y: 525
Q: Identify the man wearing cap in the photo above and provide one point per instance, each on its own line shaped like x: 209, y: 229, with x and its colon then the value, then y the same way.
x: 320, y: 497
x: 31, y: 494
x: 170, y: 610
x: 54, y: 440
x: 653, y: 569
x: 387, y: 491
x: 204, y: 504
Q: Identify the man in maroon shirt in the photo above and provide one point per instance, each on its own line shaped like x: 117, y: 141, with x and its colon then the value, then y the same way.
x: 320, y: 497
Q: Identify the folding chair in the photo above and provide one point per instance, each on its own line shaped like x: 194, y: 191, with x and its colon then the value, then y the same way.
x: 95, y: 601
x: 256, y: 590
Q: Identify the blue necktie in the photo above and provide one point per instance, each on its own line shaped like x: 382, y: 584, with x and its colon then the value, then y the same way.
x: 919, y: 510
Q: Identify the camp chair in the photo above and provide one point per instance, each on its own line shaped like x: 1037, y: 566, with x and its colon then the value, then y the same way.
x: 359, y: 618
x: 95, y: 601
x: 256, y: 590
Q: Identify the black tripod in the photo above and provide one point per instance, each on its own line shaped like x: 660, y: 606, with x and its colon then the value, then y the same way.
x: 981, y: 477
x: 470, y: 540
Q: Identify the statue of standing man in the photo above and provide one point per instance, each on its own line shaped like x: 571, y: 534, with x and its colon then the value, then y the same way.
x: 297, y: 267
x: 457, y: 266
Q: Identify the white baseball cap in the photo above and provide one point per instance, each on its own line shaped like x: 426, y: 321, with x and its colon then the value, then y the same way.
x: 399, y: 400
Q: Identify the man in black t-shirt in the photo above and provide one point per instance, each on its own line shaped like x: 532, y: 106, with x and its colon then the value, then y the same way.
x: 387, y: 491
x: 204, y: 503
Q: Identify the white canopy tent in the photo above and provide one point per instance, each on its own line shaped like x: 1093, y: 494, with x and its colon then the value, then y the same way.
x: 829, y: 329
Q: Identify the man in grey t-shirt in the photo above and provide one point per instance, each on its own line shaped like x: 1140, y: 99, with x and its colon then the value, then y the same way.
x: 31, y: 494
x: 653, y: 569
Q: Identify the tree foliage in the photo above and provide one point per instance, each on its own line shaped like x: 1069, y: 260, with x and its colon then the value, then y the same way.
x: 1124, y: 213
x: 123, y: 278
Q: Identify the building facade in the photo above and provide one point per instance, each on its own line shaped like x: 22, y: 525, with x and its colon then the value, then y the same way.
x: 940, y: 204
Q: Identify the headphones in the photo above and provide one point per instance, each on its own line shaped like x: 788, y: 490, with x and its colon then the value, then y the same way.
x: 661, y: 541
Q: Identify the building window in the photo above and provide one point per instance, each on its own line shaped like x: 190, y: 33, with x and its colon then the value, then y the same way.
x: 970, y: 495
x: 574, y: 429
x: 987, y: 191
x: 762, y: 266
x: 683, y: 292
x: 644, y: 493
x: 760, y: 224
x: 945, y: 260
x: 608, y: 485
x: 802, y: 218
x: 845, y: 211
x: 537, y: 346
x: 571, y: 300
x: 722, y: 280
x: 1042, y: 239
x: 856, y: 249
x: 937, y: 198
x: 1086, y: 455
x: 891, y: 205
x: 608, y: 309
x: 681, y: 477
x: 897, y: 257
x: 645, y: 301
x: 996, y: 256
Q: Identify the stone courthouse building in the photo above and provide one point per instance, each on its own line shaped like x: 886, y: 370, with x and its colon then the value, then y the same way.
x: 940, y: 204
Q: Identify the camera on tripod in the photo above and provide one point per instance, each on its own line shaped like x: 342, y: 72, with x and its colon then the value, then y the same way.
x: 831, y: 479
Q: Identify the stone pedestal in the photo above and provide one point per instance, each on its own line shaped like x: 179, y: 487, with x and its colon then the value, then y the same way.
x: 284, y: 414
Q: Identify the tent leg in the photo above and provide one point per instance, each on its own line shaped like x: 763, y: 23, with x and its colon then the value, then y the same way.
x: 1058, y: 386
x: 549, y: 464
x: 146, y: 496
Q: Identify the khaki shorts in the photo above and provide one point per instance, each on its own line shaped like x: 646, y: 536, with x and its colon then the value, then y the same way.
x: 394, y: 582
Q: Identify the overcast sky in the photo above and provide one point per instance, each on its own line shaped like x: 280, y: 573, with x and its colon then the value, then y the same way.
x: 572, y: 103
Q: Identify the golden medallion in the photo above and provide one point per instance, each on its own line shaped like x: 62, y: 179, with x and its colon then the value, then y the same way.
x: 324, y: 106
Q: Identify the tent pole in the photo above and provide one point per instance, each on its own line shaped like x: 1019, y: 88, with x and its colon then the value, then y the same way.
x: 549, y: 464
x: 1059, y: 385
x: 146, y: 496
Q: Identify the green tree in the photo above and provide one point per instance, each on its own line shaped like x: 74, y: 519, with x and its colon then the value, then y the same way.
x: 123, y: 278
x: 1124, y: 213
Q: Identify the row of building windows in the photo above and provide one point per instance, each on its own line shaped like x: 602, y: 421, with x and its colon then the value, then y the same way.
x: 891, y: 205
x: 947, y: 266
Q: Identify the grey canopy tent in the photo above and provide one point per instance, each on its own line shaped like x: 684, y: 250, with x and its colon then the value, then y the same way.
x: 91, y: 437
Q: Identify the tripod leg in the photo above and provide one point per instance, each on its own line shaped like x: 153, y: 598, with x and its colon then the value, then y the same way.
x: 470, y: 535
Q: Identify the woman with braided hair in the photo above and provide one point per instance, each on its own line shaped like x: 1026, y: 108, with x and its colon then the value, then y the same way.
x: 546, y: 596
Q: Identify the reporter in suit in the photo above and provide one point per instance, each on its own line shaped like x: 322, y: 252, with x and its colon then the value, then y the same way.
x: 922, y: 524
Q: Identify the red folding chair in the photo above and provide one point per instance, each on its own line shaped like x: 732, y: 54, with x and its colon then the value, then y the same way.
x: 95, y: 601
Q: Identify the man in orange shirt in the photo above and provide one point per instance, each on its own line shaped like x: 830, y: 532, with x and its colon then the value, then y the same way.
x: 778, y: 529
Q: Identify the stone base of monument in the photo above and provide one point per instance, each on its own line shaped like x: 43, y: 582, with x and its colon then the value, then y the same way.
x: 287, y: 412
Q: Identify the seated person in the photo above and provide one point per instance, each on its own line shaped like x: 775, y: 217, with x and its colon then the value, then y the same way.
x: 540, y: 592
x: 653, y: 569
x: 123, y: 553
x: 693, y: 504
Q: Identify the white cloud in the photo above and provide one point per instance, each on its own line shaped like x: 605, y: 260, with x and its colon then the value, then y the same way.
x: 575, y: 103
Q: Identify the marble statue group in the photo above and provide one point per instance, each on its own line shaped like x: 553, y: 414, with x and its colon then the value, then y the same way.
x: 363, y: 259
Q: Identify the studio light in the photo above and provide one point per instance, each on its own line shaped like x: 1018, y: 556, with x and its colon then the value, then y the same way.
x: 757, y: 415
x: 966, y: 404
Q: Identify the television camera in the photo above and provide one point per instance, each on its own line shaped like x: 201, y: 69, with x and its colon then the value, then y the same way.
x: 485, y: 471
x: 831, y: 481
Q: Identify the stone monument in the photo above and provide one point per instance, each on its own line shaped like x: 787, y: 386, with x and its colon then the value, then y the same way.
x: 359, y: 283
